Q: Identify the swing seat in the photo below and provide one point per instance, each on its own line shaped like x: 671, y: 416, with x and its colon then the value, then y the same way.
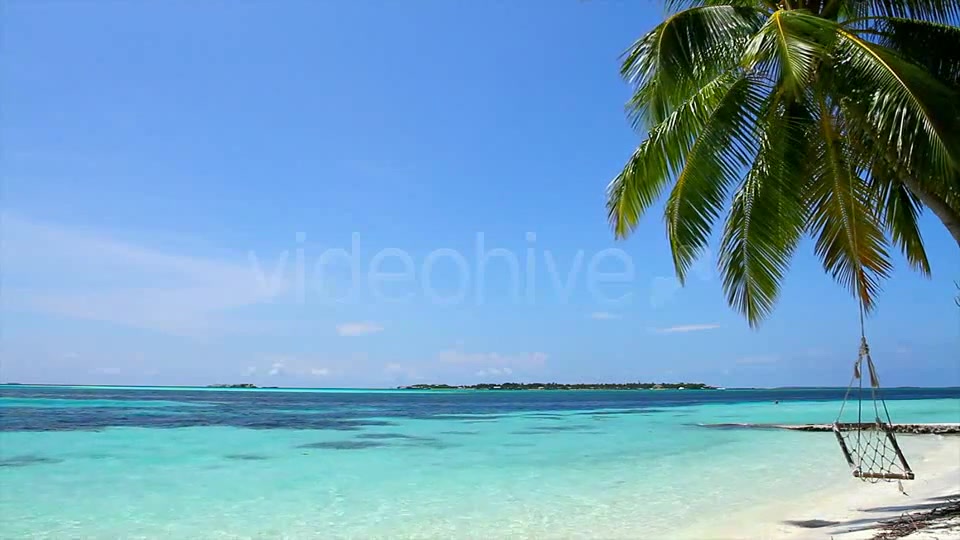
x: 870, y: 448
x: 883, y: 476
x: 876, y: 455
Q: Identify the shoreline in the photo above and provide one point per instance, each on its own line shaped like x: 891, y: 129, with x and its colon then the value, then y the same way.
x: 939, y: 428
x: 854, y: 510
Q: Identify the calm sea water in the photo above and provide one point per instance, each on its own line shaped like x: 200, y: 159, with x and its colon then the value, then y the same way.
x: 84, y: 462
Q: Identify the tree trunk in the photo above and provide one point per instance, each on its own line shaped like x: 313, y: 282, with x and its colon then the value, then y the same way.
x: 949, y: 217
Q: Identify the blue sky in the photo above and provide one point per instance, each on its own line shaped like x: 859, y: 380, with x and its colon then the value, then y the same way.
x: 159, y: 159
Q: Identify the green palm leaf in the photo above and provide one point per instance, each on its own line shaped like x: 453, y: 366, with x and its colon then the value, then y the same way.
x: 678, y: 5
x: 726, y: 146
x: 674, y: 59
x: 862, y: 11
x: 767, y: 215
x: 942, y: 11
x: 834, y: 118
x: 660, y: 157
x: 792, y: 43
x: 897, y: 207
x: 900, y: 212
x: 849, y: 239
x: 909, y: 109
x: 933, y: 46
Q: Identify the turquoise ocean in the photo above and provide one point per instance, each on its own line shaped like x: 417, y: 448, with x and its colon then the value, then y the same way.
x: 110, y: 462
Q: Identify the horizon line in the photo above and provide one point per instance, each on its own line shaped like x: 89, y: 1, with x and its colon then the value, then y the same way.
x: 402, y: 387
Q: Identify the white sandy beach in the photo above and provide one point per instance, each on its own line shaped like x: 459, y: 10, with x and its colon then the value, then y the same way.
x: 854, y: 509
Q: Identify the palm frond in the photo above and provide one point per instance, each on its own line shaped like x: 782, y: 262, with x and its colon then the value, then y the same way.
x: 900, y: 211
x: 674, y: 59
x: 792, y: 43
x: 767, y: 215
x: 723, y: 149
x: 933, y: 46
x: 910, y: 110
x: 660, y: 156
x: 677, y: 5
x: 943, y: 11
x: 858, y: 11
x: 837, y: 118
x: 898, y: 208
x: 849, y: 239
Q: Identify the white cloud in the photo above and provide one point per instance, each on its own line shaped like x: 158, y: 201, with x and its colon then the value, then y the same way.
x: 358, y: 329
x: 294, y: 367
x: 98, y: 277
x: 393, y: 366
x: 251, y: 370
x: 494, y: 371
x: 603, y: 316
x: 686, y: 328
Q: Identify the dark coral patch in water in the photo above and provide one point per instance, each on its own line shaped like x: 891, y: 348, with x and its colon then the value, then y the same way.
x: 246, y: 457
x: 379, y: 436
x: 436, y: 444
x: 459, y: 432
x: 571, y: 427
x: 468, y: 417
x: 367, y: 422
x: 24, y: 461
x: 546, y: 430
x: 342, y: 445
x: 406, y: 440
x: 623, y: 412
x: 241, y: 415
x: 95, y: 455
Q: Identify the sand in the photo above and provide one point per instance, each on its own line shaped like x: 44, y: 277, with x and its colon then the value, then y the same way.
x: 855, y: 510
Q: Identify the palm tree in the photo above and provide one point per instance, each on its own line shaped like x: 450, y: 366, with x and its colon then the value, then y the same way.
x: 838, y: 119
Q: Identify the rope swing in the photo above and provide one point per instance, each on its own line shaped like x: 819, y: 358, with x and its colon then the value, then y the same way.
x: 870, y: 448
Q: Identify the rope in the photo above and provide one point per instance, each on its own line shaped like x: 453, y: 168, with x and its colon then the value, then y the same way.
x: 871, y: 449
x: 860, y: 391
x: 876, y: 457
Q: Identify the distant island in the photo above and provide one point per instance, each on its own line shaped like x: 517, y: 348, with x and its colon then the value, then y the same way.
x: 561, y: 386
x: 243, y: 385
